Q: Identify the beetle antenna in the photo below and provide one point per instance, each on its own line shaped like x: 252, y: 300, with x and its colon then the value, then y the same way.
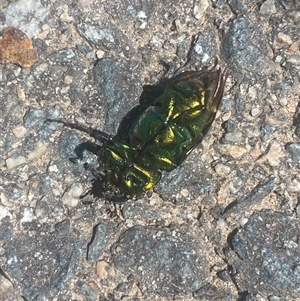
x: 98, y: 135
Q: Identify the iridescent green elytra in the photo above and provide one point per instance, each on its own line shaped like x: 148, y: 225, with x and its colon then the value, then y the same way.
x: 164, y: 134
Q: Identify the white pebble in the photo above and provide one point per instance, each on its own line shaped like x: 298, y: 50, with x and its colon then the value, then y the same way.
x: 14, y: 162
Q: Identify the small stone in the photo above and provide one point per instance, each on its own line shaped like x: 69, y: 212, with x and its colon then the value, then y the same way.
x: 72, y: 195
x: 65, y: 17
x: 65, y: 90
x: 294, y: 47
x: 294, y: 59
x: 21, y: 93
x: 68, y: 79
x: 34, y: 117
x: 221, y: 223
x: 294, y: 150
x: 273, y: 155
x: 266, y: 131
x: 105, y: 270
x: 282, y: 39
x: 224, y: 275
x: 42, y: 208
x: 237, y: 6
x: 84, y: 4
x: 89, y: 292
x: 233, y: 136
x: 184, y: 192
x: 99, y: 242
x: 294, y: 186
x: 268, y: 8
x: 221, y: 169
x: 179, y: 27
x: 4, y: 212
x: 235, y: 151
x: 15, y: 47
x: 283, y: 101
x: 39, y: 150
x: 19, y: 131
x: 7, y: 290
x: 200, y: 8
x: 243, y: 221
x: 100, y: 53
x: 279, y: 59
x: 230, y: 125
x: 255, y: 112
x: 28, y: 215
x: 14, y: 162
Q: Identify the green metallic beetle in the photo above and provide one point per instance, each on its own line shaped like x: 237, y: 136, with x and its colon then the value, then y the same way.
x: 163, y: 135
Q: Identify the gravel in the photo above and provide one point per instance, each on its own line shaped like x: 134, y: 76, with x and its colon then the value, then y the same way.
x: 221, y: 226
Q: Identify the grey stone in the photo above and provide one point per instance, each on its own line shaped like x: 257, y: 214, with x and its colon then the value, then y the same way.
x: 255, y: 196
x: 89, y: 293
x: 34, y: 117
x: 166, y: 263
x: 237, y: 6
x: 269, y: 255
x: 294, y: 150
x: 99, y: 242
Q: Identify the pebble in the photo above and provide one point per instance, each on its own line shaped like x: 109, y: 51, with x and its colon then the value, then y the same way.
x: 230, y: 125
x: 268, y: 8
x: 90, y: 293
x: 255, y: 112
x: 14, y: 162
x: 179, y: 26
x: 7, y: 290
x: 274, y: 154
x: 28, y: 215
x: 34, y: 117
x: 294, y: 186
x: 42, y: 208
x: 15, y: 47
x: 4, y: 212
x: 68, y: 79
x: 279, y: 59
x: 243, y: 221
x: 224, y: 275
x: 238, y: 6
x: 256, y: 243
x: 235, y: 151
x: 200, y: 8
x: 283, y: 38
x: 27, y: 14
x: 39, y: 150
x: 19, y: 131
x: 266, y: 131
x: 233, y: 136
x: 99, y: 241
x: 294, y: 150
x: 294, y: 59
x: 104, y: 269
x: 72, y: 195
x: 21, y: 93
x: 221, y: 223
x: 184, y: 192
x: 283, y: 101
x: 221, y: 169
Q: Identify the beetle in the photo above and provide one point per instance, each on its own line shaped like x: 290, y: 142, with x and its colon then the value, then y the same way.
x: 162, y: 136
